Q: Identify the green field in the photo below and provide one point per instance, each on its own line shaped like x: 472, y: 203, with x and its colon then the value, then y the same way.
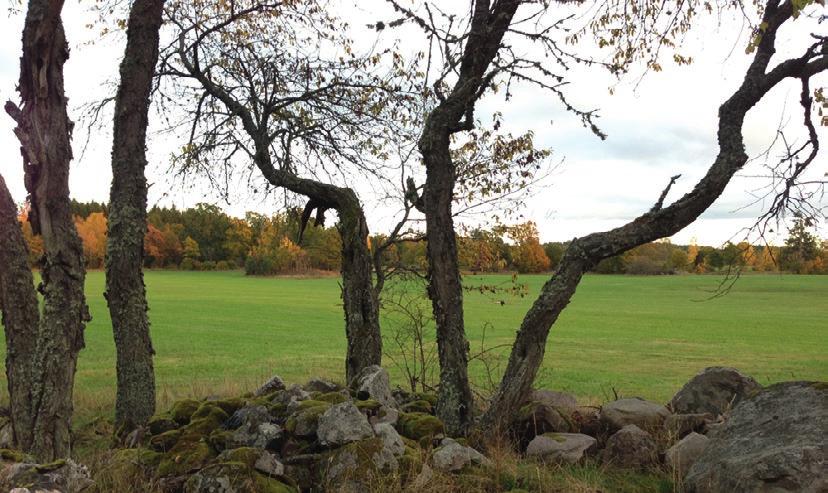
x: 224, y: 332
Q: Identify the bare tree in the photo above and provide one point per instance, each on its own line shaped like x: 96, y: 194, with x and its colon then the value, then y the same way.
x: 127, y: 220
x: 259, y: 89
x: 584, y: 253
x: 44, y: 131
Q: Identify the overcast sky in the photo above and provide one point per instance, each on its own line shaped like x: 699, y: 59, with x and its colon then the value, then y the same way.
x: 658, y: 126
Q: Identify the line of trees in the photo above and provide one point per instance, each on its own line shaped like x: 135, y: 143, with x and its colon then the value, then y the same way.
x: 206, y: 238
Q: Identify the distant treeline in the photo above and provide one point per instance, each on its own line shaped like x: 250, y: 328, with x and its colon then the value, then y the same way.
x: 205, y: 238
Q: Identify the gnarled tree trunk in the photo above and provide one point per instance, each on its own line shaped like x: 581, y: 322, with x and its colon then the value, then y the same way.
x: 127, y: 220
x: 44, y: 130
x: 18, y: 304
x: 584, y: 253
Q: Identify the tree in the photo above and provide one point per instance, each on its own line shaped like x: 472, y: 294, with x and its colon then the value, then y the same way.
x: 801, y: 248
x: 292, y: 115
x: 125, y: 290
x: 48, y: 342
x: 92, y: 232
x: 527, y: 255
x: 660, y: 222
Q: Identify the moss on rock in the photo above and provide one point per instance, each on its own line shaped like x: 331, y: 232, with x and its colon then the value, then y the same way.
x: 418, y: 426
x: 14, y: 456
x: 417, y: 407
x: 183, y: 410
x: 164, y: 441
x: 187, y: 456
x: 160, y: 423
x: 231, y: 405
x: 332, y: 397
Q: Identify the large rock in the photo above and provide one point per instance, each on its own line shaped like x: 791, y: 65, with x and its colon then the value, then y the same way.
x: 275, y: 383
x: 774, y: 441
x: 635, y: 411
x: 233, y: 477
x: 631, y: 447
x: 553, y: 398
x: 537, y: 418
x: 451, y: 456
x: 356, y: 466
x: 681, y: 456
x: 373, y: 383
x: 391, y: 440
x: 304, y: 421
x: 566, y: 448
x: 341, y: 424
x: 714, y: 390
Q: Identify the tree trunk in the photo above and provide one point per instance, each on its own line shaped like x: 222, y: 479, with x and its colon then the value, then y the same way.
x: 359, y: 297
x: 127, y: 221
x: 44, y: 129
x: 444, y: 288
x: 18, y: 304
x: 584, y: 253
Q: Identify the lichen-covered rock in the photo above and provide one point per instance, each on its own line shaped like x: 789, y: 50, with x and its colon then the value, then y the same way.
x: 635, y: 411
x: 418, y: 426
x: 234, y: 477
x: 354, y: 466
x: 562, y: 448
x: 681, y: 456
x: 391, y: 440
x: 305, y: 419
x: 451, y: 456
x: 62, y: 476
x: 373, y: 383
x: 774, y: 441
x: 631, y: 447
x: 331, y: 397
x: 182, y: 411
x: 274, y: 384
x: 714, y: 390
x: 252, y: 427
x: 256, y: 458
x: 341, y: 424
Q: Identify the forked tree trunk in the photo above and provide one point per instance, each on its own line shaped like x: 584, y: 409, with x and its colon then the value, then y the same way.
x: 18, y: 304
x: 44, y: 130
x: 127, y: 221
x: 584, y: 253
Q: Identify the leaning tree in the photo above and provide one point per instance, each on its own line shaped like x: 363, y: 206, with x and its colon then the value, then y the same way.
x: 487, y: 52
x: 277, y: 87
x: 42, y: 343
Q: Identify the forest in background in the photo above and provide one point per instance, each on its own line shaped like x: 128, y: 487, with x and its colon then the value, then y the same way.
x: 206, y: 238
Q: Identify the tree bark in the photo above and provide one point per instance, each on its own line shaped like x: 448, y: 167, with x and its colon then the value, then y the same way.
x: 455, y: 113
x: 44, y: 131
x: 127, y: 221
x: 18, y: 304
x: 584, y: 253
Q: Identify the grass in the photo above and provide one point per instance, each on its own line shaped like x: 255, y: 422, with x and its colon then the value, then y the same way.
x: 222, y: 332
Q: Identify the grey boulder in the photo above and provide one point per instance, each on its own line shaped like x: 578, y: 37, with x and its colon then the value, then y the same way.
x: 774, y: 441
x: 451, y: 456
x: 631, y: 447
x: 568, y: 448
x: 714, y: 390
x: 341, y: 424
x: 633, y: 411
x: 681, y: 456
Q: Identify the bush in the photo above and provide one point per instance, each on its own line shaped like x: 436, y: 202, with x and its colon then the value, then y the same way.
x: 259, y: 265
x: 188, y: 264
x: 224, y: 265
x: 208, y: 265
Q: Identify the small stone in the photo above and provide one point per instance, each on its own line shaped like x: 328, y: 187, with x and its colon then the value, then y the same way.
x: 559, y: 400
x: 680, y: 425
x: 644, y: 414
x: 274, y: 384
x: 267, y: 463
x: 373, y: 383
x: 391, y: 440
x: 320, y: 385
x: 631, y: 447
x: 450, y: 456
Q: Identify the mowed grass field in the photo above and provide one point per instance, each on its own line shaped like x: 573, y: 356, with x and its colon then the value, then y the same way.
x: 223, y: 332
